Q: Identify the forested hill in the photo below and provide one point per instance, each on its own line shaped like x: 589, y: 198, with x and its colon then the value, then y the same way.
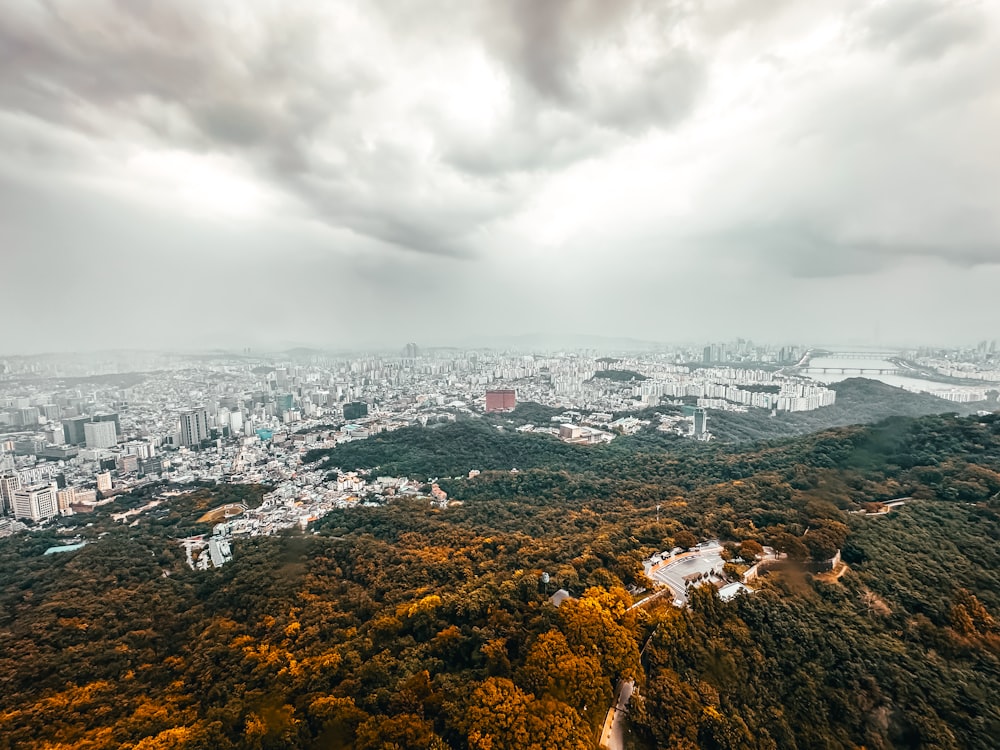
x: 859, y: 401
x: 409, y: 626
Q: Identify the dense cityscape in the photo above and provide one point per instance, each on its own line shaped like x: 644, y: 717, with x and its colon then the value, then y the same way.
x: 79, y: 431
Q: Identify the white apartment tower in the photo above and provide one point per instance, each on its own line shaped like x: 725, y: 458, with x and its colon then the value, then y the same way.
x: 100, y: 434
x: 194, y: 426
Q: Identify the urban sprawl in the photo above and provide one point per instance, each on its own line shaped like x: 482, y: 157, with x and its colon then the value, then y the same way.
x: 77, y: 431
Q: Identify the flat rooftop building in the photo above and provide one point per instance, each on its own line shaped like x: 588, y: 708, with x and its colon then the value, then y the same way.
x: 37, y: 502
x: 501, y: 400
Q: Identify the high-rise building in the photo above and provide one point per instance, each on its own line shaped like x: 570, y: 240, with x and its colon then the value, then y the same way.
x: 151, y: 465
x: 28, y: 447
x: 355, y: 410
x: 65, y: 498
x: 501, y: 400
x: 104, y: 481
x: 194, y: 426
x: 100, y: 434
x: 73, y: 430
x: 700, y: 422
x: 412, y: 351
x: 113, y: 417
x: 9, y: 484
x: 138, y: 448
x: 28, y: 416
x: 36, y: 502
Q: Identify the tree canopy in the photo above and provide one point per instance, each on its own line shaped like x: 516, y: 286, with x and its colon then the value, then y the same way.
x: 413, y: 626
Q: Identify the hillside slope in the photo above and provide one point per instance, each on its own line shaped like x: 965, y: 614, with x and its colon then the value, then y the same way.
x: 859, y: 401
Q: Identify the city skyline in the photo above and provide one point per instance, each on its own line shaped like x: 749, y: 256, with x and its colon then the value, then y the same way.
x: 214, y: 418
x: 236, y: 175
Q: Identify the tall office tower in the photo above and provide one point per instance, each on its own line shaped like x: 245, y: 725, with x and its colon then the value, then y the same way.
x: 194, y: 426
x: 236, y: 422
x: 412, y: 351
x: 36, y: 502
x: 112, y: 417
x: 9, y: 484
x: 73, y: 430
x: 100, y: 434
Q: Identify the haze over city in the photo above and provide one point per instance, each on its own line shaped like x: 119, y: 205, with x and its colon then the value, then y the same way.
x: 192, y: 175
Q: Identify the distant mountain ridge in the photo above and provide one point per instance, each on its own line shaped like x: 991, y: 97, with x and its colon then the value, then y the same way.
x: 550, y: 342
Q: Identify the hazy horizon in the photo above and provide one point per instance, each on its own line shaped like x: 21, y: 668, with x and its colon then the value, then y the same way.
x: 515, y: 342
x: 353, y: 176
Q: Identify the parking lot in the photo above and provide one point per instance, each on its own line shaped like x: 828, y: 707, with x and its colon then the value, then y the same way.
x: 674, y: 571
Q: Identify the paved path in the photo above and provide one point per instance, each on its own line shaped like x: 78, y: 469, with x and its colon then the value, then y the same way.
x: 613, y: 731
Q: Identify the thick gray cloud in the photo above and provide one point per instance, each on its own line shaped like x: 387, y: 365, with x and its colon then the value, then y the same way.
x: 925, y: 29
x: 186, y: 73
x: 471, y: 153
x: 546, y: 45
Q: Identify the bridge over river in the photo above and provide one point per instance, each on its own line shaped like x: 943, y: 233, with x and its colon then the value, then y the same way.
x: 835, y: 362
x: 871, y: 354
x: 852, y: 370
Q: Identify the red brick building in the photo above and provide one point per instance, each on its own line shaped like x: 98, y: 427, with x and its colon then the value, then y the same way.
x: 501, y: 400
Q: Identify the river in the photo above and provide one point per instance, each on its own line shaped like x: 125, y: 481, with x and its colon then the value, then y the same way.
x: 900, y: 381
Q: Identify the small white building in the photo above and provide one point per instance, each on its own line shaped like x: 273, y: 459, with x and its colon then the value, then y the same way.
x: 731, y: 590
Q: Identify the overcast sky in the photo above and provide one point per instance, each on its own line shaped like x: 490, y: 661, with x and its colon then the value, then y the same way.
x: 244, y: 173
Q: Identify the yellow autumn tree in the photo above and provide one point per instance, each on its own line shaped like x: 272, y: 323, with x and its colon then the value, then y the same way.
x: 502, y: 716
x: 552, y: 668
